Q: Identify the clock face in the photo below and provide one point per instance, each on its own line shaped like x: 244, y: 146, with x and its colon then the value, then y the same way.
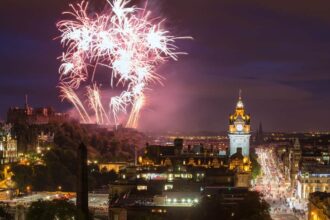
x: 239, y: 127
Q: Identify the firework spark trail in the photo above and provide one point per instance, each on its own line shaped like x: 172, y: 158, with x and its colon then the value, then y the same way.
x: 94, y: 97
x: 125, y: 41
x: 68, y: 93
x: 135, y: 113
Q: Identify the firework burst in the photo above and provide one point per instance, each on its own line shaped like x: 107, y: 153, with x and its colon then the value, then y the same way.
x: 124, y: 40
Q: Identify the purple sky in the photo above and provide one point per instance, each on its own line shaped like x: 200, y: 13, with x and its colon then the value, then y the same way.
x: 278, y: 53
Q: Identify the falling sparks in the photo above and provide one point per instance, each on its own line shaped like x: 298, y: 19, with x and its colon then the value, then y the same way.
x: 125, y: 41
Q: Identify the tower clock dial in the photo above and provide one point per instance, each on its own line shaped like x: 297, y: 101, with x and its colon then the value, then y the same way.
x: 239, y: 127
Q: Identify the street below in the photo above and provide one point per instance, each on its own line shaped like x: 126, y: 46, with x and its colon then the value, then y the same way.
x: 276, y: 189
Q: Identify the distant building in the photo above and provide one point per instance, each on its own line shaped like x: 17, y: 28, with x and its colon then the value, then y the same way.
x: 171, y: 178
x: 8, y: 145
x: 319, y: 206
x: 173, y: 155
x: 112, y: 166
x: 239, y: 130
x: 304, y: 163
x: 242, y: 167
x: 45, y: 141
x: 294, y: 158
x: 172, y: 167
x: 313, y: 178
x: 43, y: 115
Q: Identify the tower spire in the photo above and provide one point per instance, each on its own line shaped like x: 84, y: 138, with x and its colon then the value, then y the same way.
x: 240, y: 102
x: 26, y: 101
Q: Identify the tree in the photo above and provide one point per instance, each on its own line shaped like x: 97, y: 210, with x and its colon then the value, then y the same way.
x: 4, y: 212
x: 57, y: 163
x: 63, y: 163
x: 253, y: 207
x: 210, y: 208
x: 40, y: 178
x: 22, y: 176
x: 99, y: 178
x: 256, y: 168
x: 51, y: 210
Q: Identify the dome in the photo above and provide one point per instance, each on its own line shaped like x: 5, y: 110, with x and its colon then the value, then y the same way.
x: 240, y: 104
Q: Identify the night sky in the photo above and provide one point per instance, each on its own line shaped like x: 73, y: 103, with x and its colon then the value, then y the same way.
x: 277, y: 52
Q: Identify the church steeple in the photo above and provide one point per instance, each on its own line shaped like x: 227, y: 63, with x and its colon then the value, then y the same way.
x: 28, y: 109
x: 260, y: 134
x: 26, y: 102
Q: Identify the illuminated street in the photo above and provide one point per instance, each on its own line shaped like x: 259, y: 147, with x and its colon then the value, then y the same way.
x: 275, y: 188
x: 96, y: 201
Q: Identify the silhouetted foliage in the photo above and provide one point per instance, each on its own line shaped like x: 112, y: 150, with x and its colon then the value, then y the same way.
x: 99, y: 178
x: 253, y: 207
x: 4, y: 214
x: 256, y: 168
x: 51, y: 210
x: 22, y: 176
x: 102, y: 143
x: 60, y: 169
x: 61, y: 160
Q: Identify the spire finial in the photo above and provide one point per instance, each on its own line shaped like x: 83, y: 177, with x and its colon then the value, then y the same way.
x: 240, y: 102
x: 26, y: 101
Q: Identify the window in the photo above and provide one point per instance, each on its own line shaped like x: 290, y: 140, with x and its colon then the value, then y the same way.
x: 168, y: 187
x: 141, y: 187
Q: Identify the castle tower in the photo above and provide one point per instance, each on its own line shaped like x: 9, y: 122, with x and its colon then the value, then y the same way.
x: 239, y: 129
x: 28, y: 109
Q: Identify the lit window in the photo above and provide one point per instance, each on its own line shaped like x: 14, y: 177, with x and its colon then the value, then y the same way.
x: 141, y: 187
x: 168, y: 187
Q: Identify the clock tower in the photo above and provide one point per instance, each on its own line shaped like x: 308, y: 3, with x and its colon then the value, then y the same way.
x: 239, y: 130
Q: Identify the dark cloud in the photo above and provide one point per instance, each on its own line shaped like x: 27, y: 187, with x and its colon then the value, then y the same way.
x: 277, y: 51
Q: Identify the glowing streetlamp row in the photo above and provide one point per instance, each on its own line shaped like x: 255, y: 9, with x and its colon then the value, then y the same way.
x: 183, y: 200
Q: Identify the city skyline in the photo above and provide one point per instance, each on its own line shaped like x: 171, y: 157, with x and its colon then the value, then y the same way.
x: 164, y: 109
x: 277, y: 55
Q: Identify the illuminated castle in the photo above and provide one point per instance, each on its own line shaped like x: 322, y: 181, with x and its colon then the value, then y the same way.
x: 239, y: 130
x: 43, y: 115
